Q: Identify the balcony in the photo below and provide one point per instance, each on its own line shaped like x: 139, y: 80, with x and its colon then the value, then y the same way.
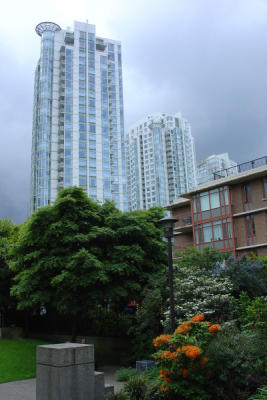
x: 237, y: 169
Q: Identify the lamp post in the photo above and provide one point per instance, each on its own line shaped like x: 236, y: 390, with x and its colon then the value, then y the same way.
x: 167, y: 225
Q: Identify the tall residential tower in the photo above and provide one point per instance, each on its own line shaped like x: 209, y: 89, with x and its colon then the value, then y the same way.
x: 160, y: 160
x: 78, y: 123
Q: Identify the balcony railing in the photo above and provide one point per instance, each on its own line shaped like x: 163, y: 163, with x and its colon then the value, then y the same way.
x: 259, y: 162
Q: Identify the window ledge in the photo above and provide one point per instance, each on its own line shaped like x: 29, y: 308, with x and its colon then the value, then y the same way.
x: 264, y: 199
x: 250, y: 211
x: 251, y: 246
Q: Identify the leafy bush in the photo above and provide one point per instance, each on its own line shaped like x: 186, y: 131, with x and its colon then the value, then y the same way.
x: 205, y: 259
x: 246, y: 274
x: 184, y: 368
x: 124, y: 374
x: 136, y: 387
x: 260, y: 395
x: 146, y: 322
x: 197, y: 291
x: 234, y: 356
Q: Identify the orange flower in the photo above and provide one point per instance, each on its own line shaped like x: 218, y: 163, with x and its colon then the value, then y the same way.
x: 165, y: 354
x: 191, y: 351
x: 162, y: 339
x: 185, y: 327
x: 185, y: 372
x: 165, y: 375
x: 214, y: 328
x: 174, y: 355
x: 198, y: 318
x: 203, y: 361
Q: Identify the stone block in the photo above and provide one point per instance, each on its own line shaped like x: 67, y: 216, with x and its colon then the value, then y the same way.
x: 99, y: 386
x: 64, y: 354
x: 65, y: 372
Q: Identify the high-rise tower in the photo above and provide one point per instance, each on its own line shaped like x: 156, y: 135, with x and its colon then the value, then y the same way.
x: 160, y: 160
x: 78, y: 123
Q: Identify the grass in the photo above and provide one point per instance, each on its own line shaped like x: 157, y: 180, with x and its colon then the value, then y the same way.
x: 18, y: 359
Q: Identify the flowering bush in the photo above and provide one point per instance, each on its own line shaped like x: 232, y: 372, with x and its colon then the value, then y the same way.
x: 184, y: 368
x: 196, y: 291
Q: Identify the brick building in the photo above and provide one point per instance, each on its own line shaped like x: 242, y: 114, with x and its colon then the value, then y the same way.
x: 229, y: 214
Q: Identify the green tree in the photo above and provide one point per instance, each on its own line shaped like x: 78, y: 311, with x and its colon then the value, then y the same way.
x: 135, y: 251
x: 75, y: 254
x: 54, y: 261
x: 8, y: 234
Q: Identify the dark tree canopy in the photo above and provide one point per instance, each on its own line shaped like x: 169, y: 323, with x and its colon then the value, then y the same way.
x: 75, y: 254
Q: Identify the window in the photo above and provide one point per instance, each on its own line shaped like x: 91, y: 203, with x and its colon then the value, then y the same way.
x: 265, y: 186
x: 210, y: 204
x: 217, y: 234
x: 246, y: 196
x: 246, y: 191
x: 251, y: 232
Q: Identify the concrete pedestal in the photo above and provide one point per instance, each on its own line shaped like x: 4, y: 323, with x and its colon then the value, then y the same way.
x: 66, y: 372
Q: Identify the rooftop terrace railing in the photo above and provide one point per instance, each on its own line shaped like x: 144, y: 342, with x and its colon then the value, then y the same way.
x: 237, y: 169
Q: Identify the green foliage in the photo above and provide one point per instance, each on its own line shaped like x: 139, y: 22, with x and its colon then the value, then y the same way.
x: 118, y: 396
x: 136, y: 387
x: 135, y: 252
x: 124, y: 374
x: 260, y: 395
x: 197, y: 291
x: 8, y: 234
x: 246, y: 274
x: 182, y: 359
x: 108, y: 323
x: 54, y: 262
x: 252, y: 313
x: 234, y: 356
x: 76, y: 254
x: 205, y: 259
x: 148, y: 317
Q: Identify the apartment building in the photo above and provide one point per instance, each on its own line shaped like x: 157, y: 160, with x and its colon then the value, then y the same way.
x: 213, y: 164
x: 160, y: 160
x: 78, y: 121
x: 228, y: 214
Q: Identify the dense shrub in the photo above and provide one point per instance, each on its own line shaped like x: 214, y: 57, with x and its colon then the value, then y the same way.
x: 261, y: 394
x: 184, y: 368
x: 246, y: 274
x: 234, y: 356
x: 198, y: 291
x: 124, y: 374
x: 136, y: 387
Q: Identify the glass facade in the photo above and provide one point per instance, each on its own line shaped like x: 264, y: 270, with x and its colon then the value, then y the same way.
x: 42, y: 120
x: 78, y: 127
x: 160, y: 161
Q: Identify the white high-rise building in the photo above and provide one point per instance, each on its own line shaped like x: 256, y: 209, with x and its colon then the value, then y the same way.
x: 160, y: 160
x: 212, y: 164
x: 78, y: 123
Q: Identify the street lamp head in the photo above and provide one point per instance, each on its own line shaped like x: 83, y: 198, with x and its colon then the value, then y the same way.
x: 167, y: 224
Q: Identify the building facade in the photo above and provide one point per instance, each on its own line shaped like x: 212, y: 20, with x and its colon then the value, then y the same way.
x: 213, y: 164
x: 160, y: 160
x: 78, y: 122
x: 228, y: 214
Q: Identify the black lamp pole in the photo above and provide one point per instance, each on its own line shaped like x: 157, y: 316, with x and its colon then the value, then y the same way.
x: 167, y: 224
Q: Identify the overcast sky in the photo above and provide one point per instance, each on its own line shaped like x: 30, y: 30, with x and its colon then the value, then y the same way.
x: 205, y: 58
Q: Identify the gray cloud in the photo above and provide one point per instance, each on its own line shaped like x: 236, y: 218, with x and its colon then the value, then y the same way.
x: 204, y: 58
